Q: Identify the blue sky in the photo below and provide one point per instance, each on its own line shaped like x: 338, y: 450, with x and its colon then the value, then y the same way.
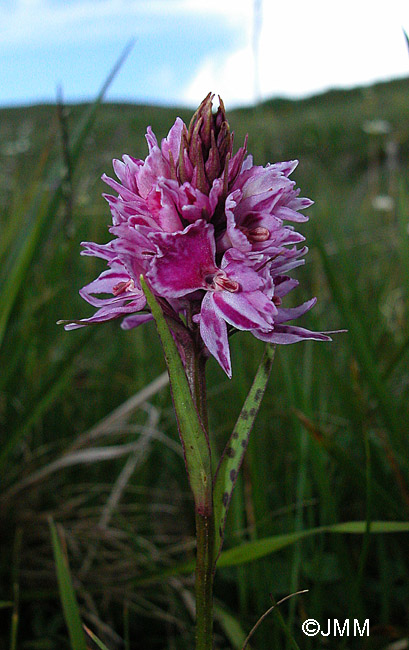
x: 184, y: 48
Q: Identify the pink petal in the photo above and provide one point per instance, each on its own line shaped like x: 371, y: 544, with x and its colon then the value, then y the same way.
x: 265, y: 182
x: 133, y: 166
x: 162, y: 208
x: 172, y: 142
x: 191, y: 203
x: 237, y: 310
x: 285, y: 168
x: 120, y: 170
x: 155, y: 167
x: 290, y: 215
x: 283, y: 285
x: 133, y: 253
x: 104, y: 251
x: 215, y: 193
x: 213, y: 331
x: 235, y: 237
x: 300, y: 203
x: 286, y: 334
x: 126, y: 194
x: 237, y: 267
x: 107, y: 313
x: 183, y: 260
x: 151, y: 139
x: 285, y: 315
x: 105, y: 284
x: 135, y: 320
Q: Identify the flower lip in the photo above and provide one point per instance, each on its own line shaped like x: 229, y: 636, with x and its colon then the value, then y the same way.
x: 222, y: 283
x: 121, y: 287
x: 256, y: 235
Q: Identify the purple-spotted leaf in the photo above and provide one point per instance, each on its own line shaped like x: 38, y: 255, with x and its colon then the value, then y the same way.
x: 193, y: 437
x: 232, y: 458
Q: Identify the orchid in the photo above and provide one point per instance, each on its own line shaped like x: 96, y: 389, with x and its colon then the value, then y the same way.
x: 209, y: 232
x: 203, y: 242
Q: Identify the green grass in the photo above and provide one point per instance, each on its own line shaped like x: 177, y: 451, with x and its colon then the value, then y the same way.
x: 329, y: 445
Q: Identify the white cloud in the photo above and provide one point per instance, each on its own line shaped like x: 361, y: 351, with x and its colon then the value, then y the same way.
x: 305, y: 47
x: 231, y: 78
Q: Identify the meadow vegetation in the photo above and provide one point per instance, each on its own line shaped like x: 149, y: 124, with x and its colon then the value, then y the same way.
x: 330, y: 443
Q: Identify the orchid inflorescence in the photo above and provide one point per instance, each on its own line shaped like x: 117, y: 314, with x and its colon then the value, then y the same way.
x: 206, y: 228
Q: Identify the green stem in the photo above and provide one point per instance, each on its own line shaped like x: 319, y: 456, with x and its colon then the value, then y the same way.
x: 204, y: 581
x: 195, y: 367
x: 195, y: 371
x: 201, y: 393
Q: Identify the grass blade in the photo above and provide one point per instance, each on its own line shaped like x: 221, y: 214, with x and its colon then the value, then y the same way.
x: 257, y: 549
x: 89, y: 117
x: 82, y: 457
x: 282, y: 622
x: 406, y: 38
x: 19, y: 269
x: 349, y: 466
x: 42, y: 401
x: 47, y: 209
x: 361, y: 347
x: 16, y: 588
x: 231, y: 627
x: 67, y: 593
x: 95, y: 639
x: 287, y: 632
x: 14, y: 225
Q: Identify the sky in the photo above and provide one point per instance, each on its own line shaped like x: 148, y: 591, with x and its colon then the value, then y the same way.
x: 244, y: 50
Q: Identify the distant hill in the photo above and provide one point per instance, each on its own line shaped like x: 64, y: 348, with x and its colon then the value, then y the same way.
x: 324, y: 131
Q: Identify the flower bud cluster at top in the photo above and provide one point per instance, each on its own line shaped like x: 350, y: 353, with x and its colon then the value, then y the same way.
x: 207, y: 144
x: 207, y: 229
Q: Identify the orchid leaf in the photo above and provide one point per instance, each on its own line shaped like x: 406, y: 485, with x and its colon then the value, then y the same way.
x: 232, y: 458
x: 67, y: 593
x: 194, y: 441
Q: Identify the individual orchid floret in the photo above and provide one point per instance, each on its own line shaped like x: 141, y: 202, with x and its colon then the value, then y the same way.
x: 213, y: 235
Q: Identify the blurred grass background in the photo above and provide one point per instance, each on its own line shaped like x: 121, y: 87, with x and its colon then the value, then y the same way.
x: 330, y: 442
